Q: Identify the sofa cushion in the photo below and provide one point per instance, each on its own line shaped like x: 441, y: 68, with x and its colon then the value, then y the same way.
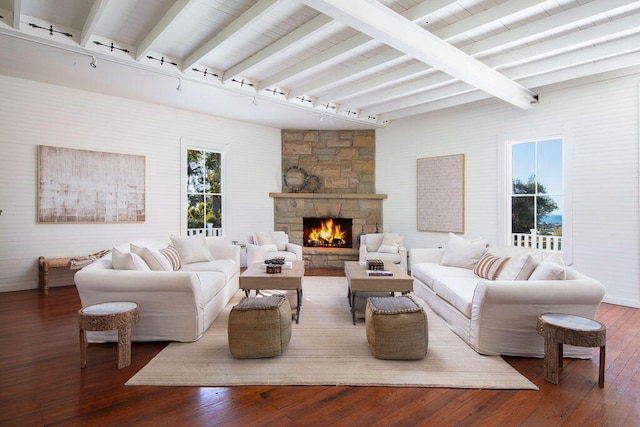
x: 211, y: 283
x: 457, y: 291
x: 373, y: 241
x: 489, y: 266
x: 548, y: 270
x: 225, y: 266
x: 191, y: 249
x: 154, y: 259
x: 280, y: 239
x: 384, y: 256
x: 266, y: 241
x: 519, y: 267
x: 427, y: 272
x: 127, y: 261
x: 172, y: 256
x: 463, y: 253
x: 390, y: 243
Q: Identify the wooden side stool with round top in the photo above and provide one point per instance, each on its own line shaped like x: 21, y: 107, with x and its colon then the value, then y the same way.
x: 106, y: 317
x: 558, y: 329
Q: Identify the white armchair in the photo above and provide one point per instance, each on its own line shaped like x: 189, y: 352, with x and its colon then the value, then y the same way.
x: 384, y: 246
x: 272, y: 244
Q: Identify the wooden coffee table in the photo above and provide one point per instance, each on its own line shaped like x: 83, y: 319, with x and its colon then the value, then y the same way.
x: 256, y: 278
x: 360, y: 282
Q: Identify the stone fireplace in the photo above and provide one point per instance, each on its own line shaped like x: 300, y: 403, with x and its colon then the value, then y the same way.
x: 343, y: 162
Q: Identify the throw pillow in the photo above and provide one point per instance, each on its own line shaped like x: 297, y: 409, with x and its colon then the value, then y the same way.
x: 127, y: 261
x: 264, y: 239
x: 519, y: 268
x: 154, y: 259
x: 557, y: 258
x: 548, y: 270
x: 373, y: 241
x: 281, y: 239
x: 390, y: 243
x: 191, y: 249
x: 489, y: 266
x: 172, y: 256
x: 463, y: 253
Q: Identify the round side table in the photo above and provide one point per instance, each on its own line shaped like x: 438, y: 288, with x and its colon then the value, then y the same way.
x: 558, y: 329
x: 105, y: 317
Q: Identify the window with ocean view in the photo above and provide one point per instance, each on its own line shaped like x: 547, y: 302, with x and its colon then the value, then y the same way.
x: 536, y: 194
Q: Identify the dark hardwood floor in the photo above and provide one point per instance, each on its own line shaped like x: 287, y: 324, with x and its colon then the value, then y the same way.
x: 41, y: 383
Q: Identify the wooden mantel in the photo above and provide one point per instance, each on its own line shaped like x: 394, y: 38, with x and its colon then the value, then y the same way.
x: 328, y: 196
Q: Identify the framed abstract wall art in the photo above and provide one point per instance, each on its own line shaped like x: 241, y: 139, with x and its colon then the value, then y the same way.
x: 81, y: 186
x: 441, y: 194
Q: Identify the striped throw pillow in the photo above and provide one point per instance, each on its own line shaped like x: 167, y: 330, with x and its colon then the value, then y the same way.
x: 171, y: 254
x: 489, y: 266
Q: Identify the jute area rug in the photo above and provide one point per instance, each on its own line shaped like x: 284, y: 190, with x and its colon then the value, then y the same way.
x: 327, y: 349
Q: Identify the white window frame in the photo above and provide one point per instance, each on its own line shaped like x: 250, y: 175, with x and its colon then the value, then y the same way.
x: 504, y: 192
x: 184, y: 201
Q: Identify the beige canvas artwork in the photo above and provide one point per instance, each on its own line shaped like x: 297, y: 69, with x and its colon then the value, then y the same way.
x: 441, y: 194
x: 81, y: 186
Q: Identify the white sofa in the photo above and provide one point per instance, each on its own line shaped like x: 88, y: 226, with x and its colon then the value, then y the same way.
x: 174, y: 305
x: 384, y: 246
x: 498, y: 317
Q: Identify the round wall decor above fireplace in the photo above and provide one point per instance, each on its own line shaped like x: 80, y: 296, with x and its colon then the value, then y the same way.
x: 313, y: 183
x: 295, y: 178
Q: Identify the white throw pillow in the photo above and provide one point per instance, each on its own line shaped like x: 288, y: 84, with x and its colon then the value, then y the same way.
x: 191, y: 249
x: 281, y: 239
x: 154, y: 259
x: 519, y: 268
x: 548, y: 270
x: 463, y: 253
x: 264, y: 239
x: 390, y: 243
x: 127, y: 261
x: 373, y: 241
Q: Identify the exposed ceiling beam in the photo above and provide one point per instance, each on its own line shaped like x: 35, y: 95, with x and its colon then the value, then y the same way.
x: 279, y: 46
x: 176, y: 9
x: 460, y: 28
x: 519, y: 36
x: 17, y: 12
x: 97, y: 9
x: 416, y: 13
x: 241, y: 23
x: 383, y: 24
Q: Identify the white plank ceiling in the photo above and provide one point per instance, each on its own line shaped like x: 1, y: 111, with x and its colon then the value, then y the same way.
x: 319, y: 63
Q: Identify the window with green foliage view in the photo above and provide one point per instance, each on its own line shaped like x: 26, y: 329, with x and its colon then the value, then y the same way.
x: 537, y: 193
x: 204, y: 192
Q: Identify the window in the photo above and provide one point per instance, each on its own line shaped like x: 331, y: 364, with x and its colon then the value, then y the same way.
x: 536, y: 194
x: 204, y: 192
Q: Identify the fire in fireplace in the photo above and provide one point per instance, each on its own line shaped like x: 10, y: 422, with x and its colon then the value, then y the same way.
x: 327, y: 232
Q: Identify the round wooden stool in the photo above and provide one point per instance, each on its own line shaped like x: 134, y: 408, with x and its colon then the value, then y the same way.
x: 106, y: 317
x: 558, y: 329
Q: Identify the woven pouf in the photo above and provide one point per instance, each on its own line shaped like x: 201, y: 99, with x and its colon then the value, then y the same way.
x: 396, y: 328
x: 259, y: 327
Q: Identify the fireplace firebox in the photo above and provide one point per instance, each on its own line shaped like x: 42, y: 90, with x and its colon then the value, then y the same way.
x: 327, y: 232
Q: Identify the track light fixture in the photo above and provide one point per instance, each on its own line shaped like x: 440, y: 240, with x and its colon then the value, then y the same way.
x: 93, y: 62
x: 179, y: 87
